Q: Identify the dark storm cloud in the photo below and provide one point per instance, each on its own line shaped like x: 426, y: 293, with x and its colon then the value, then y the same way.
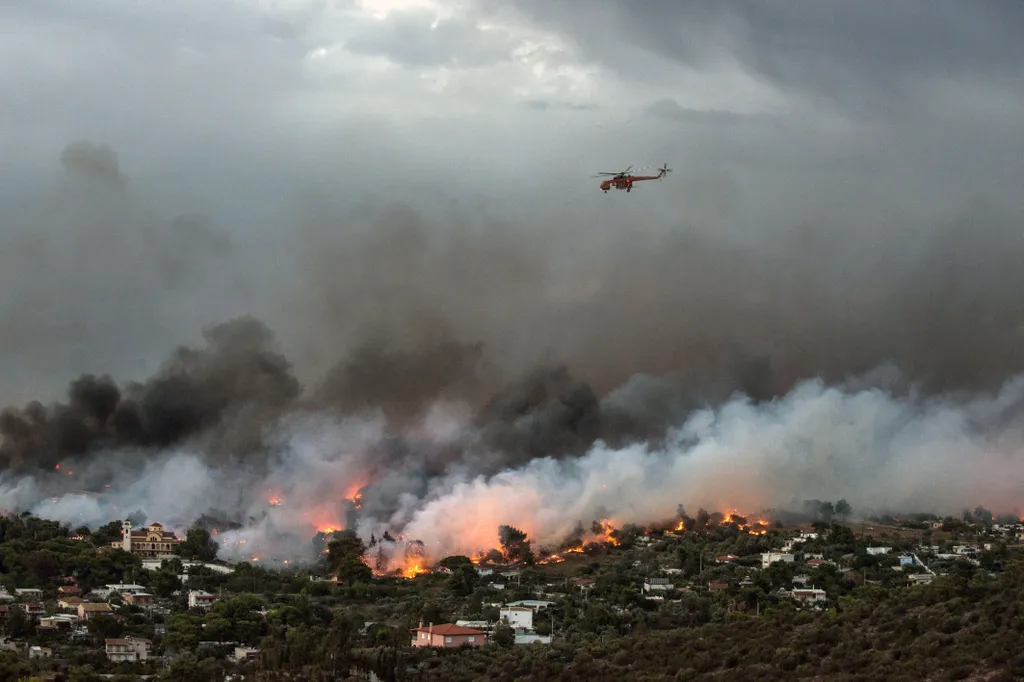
x: 847, y: 51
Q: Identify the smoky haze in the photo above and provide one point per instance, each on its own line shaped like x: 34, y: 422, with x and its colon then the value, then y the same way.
x: 542, y: 377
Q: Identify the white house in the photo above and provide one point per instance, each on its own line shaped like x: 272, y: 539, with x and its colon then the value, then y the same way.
x: 519, y: 617
x: 875, y: 551
x: 199, y: 599
x: 128, y: 649
x: 808, y: 596
x: 769, y: 558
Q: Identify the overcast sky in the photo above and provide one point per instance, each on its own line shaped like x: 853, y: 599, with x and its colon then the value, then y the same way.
x: 254, y: 127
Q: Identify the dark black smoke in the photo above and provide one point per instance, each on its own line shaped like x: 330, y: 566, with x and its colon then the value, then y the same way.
x: 401, y: 383
x: 236, y: 374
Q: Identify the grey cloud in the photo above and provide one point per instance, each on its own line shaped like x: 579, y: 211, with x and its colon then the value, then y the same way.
x: 671, y: 110
x: 410, y: 37
x: 547, y: 105
x: 870, y: 54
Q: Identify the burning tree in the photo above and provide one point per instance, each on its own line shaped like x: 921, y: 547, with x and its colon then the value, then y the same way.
x: 515, y: 548
x: 345, y: 557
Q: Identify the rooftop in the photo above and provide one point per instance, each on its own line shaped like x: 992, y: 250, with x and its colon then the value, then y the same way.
x: 449, y: 629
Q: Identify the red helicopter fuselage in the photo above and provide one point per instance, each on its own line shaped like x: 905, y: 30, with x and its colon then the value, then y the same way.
x: 626, y: 181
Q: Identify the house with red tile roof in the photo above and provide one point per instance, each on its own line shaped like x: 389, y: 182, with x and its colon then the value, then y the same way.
x: 447, y: 635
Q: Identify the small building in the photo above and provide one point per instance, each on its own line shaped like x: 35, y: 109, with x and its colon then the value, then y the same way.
x: 152, y: 542
x: 40, y: 652
x: 878, y: 551
x: 519, y: 617
x: 198, y: 599
x: 58, y: 621
x: 769, y: 558
x: 90, y: 610
x: 657, y: 584
x: 129, y: 649
x: 142, y: 599
x: 448, y: 635
x: 809, y: 596
x: 243, y: 653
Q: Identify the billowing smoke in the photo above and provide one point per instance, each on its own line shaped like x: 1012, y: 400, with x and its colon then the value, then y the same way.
x: 435, y: 381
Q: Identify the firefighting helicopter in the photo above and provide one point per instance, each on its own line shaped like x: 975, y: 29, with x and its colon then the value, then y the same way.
x: 624, y: 180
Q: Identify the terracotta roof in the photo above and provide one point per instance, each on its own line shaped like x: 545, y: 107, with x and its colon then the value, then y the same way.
x: 448, y: 629
x: 72, y: 600
x: 142, y: 534
x: 96, y: 607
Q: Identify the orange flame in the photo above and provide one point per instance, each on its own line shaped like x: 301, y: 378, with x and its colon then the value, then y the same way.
x: 606, y: 533
x: 413, y: 569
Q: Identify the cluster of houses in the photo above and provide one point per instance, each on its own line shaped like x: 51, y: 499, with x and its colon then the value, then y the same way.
x: 70, y: 613
x: 802, y: 591
x: 72, y: 610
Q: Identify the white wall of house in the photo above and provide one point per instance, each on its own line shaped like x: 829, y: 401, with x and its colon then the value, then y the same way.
x: 518, y: 616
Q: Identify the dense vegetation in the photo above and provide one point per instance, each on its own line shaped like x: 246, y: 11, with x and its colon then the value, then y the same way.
x: 873, y: 626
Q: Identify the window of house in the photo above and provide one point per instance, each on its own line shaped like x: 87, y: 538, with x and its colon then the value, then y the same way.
x: 447, y: 640
x: 472, y: 639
